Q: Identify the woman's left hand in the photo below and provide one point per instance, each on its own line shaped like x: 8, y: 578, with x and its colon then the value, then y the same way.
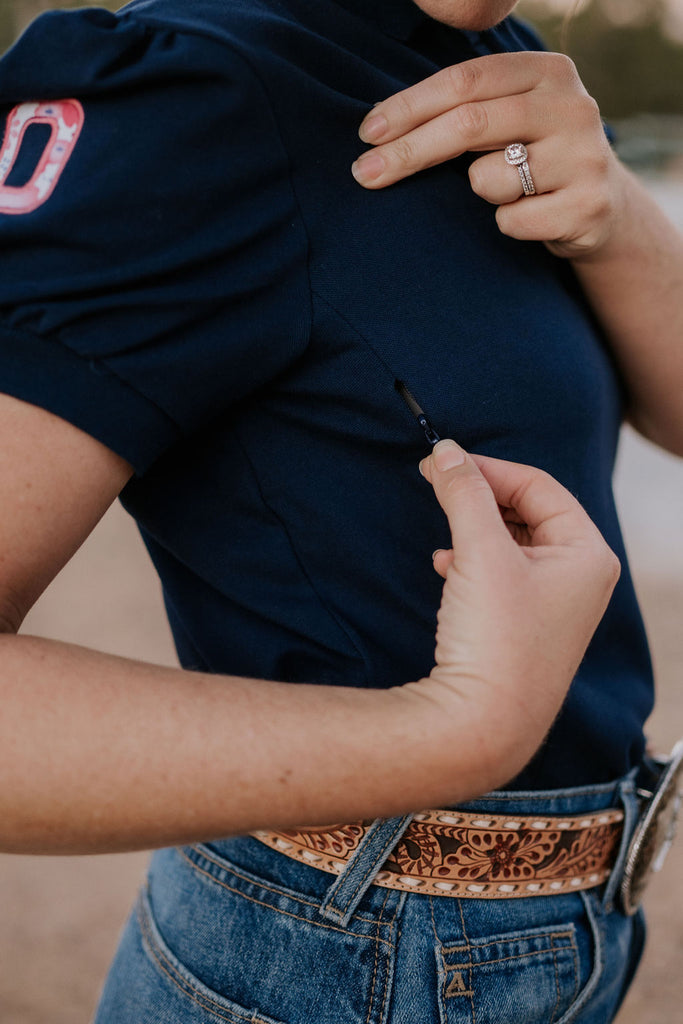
x: 483, y: 105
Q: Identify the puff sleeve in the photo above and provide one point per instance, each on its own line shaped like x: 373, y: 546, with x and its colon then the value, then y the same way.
x: 152, y: 260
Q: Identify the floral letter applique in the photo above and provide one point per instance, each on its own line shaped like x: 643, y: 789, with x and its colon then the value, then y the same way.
x: 65, y: 119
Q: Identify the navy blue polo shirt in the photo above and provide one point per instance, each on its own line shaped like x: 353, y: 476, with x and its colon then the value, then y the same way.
x: 189, y: 272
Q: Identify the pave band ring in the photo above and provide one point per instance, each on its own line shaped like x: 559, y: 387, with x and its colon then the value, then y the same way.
x: 516, y: 155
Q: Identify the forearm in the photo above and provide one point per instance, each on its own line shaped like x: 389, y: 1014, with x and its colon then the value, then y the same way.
x: 635, y: 285
x: 98, y: 753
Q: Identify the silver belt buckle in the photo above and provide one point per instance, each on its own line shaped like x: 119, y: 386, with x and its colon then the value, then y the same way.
x: 656, y: 830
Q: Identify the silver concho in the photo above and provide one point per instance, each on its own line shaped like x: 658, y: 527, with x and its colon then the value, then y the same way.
x: 655, y: 832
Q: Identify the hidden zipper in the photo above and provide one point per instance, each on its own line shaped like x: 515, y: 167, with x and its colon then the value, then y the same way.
x: 419, y: 413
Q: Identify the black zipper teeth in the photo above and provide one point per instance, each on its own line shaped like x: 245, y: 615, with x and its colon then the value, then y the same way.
x: 418, y: 412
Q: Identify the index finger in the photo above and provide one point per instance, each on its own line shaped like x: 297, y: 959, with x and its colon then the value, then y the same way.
x: 482, y: 78
x: 551, y: 512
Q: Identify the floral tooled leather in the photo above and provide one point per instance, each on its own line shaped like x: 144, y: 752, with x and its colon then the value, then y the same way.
x: 451, y: 853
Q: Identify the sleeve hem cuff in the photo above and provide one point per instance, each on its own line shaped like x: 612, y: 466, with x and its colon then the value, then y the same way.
x: 83, y: 391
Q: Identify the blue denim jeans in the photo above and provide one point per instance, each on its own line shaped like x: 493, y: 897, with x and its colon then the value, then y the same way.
x: 233, y: 931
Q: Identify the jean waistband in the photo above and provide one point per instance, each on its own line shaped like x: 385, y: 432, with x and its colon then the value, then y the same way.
x: 571, y: 800
x: 369, y: 850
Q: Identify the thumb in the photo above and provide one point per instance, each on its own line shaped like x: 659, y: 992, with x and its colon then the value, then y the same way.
x: 467, y: 499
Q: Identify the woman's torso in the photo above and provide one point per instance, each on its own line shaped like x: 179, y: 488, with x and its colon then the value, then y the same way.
x: 289, y: 524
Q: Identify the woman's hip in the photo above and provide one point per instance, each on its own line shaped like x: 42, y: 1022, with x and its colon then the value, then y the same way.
x: 234, y: 930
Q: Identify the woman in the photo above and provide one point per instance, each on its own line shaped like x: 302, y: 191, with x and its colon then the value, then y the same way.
x: 257, y: 348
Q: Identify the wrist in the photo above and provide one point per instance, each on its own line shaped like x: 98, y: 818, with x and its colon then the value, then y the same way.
x: 470, y: 736
x: 618, y: 221
x: 450, y: 743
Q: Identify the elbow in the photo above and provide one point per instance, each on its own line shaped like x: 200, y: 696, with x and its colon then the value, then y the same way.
x: 668, y: 436
x: 11, y: 614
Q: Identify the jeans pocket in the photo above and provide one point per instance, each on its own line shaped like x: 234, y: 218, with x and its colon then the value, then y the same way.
x: 201, y: 1002
x: 554, y: 973
x: 236, y: 941
x: 530, y: 976
x: 147, y: 983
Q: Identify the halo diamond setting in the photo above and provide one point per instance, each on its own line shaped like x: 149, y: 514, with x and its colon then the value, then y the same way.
x: 516, y: 154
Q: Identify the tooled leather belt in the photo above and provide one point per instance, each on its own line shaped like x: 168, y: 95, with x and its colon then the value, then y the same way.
x: 482, y: 856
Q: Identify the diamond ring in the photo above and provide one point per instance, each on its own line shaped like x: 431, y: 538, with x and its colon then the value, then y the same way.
x: 516, y: 155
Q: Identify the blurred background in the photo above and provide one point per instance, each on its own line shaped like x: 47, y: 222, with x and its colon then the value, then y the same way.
x: 60, y: 917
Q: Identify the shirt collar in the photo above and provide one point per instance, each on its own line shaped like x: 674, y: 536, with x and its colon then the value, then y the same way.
x: 396, y: 18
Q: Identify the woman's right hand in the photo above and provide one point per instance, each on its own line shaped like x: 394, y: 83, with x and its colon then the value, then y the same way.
x: 526, y: 583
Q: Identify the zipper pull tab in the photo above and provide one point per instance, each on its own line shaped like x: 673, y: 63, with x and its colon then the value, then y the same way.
x: 419, y: 413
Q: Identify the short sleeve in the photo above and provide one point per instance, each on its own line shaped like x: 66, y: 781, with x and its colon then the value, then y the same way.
x: 152, y: 259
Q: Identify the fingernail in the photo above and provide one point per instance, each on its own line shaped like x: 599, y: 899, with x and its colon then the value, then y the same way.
x: 435, y: 553
x: 447, y: 455
x: 420, y: 465
x: 368, y: 167
x: 373, y: 127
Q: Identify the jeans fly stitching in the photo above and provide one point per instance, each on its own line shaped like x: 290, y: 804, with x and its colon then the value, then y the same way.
x: 390, y: 966
x: 467, y: 940
x: 442, y: 1000
x: 371, y: 1001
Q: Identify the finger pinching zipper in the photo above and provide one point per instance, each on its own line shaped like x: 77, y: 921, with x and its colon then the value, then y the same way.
x: 419, y: 413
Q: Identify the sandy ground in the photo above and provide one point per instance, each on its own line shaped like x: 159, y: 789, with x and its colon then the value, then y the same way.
x: 60, y: 916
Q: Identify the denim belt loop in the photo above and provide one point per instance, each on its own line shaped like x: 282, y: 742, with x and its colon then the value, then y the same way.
x: 348, y: 889
x: 629, y: 801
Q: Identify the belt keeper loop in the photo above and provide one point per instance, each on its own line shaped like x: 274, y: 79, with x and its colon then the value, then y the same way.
x: 348, y: 889
x: 629, y: 802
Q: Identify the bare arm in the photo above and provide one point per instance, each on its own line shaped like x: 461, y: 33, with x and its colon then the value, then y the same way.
x: 635, y: 285
x: 99, y: 753
x: 102, y: 754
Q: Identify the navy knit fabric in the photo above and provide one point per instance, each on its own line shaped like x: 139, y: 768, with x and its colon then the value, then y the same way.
x: 209, y: 292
